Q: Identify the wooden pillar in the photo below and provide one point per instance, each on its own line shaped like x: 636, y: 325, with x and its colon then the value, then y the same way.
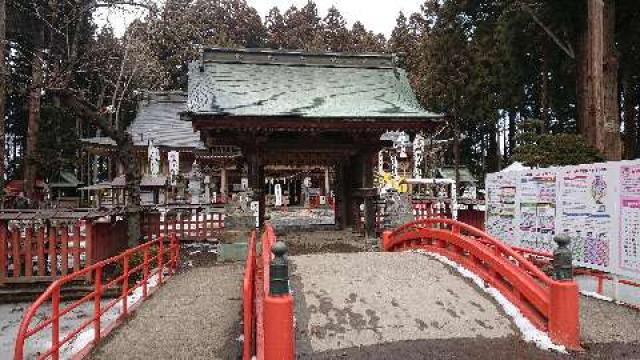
x: 256, y: 179
x: 223, y: 180
x: 366, y: 180
x: 340, y: 203
x: 347, y: 180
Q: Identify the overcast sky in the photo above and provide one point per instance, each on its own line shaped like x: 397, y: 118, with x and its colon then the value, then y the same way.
x: 377, y: 15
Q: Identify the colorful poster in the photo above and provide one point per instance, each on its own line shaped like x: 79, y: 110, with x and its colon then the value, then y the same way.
x: 630, y: 235
x: 630, y: 218
x: 585, y: 213
x: 501, y: 201
x: 537, y: 209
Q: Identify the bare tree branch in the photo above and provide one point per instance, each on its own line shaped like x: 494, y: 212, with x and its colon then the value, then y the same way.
x: 565, y: 46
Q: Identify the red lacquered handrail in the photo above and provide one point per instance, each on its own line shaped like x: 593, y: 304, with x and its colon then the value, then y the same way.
x: 550, y: 305
x: 53, y: 293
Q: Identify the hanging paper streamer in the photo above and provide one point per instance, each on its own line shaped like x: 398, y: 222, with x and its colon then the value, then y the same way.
x: 418, y: 152
x: 174, y: 165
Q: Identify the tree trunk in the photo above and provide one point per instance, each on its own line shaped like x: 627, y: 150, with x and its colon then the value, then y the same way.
x: 3, y: 94
x: 544, y: 88
x: 493, y: 157
x: 126, y: 156
x: 511, y: 137
x: 595, y: 93
x: 611, y: 140
x: 456, y: 151
x: 33, y: 124
x: 630, y: 118
x: 582, y: 83
x: 600, y: 123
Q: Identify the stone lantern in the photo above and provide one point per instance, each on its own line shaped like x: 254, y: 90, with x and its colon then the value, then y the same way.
x: 195, y: 183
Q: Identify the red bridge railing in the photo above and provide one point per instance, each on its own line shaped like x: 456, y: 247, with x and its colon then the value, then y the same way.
x: 125, y: 281
x: 550, y: 305
x: 270, y: 315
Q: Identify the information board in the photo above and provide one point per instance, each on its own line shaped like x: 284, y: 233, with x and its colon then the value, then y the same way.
x: 596, y: 205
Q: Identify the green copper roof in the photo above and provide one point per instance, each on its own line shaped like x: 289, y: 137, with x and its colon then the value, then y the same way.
x: 267, y: 83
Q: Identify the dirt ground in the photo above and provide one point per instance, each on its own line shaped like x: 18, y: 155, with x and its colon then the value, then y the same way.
x: 314, y: 242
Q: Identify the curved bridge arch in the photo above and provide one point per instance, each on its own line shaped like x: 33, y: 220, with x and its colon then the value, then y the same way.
x: 551, y: 305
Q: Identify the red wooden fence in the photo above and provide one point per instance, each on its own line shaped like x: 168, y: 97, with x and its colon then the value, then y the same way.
x: 37, y: 252
x: 188, y: 224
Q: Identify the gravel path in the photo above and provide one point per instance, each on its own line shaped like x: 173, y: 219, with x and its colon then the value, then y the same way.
x: 342, y: 301
x: 194, y: 316
x: 606, y: 322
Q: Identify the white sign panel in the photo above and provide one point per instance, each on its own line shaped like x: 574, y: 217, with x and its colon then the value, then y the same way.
x: 596, y: 205
x: 174, y: 165
x: 278, y: 193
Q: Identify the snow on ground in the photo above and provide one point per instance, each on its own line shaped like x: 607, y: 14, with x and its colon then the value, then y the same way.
x: 200, y: 247
x: 626, y: 294
x: 301, y: 216
x: 529, y: 332
x: 11, y: 316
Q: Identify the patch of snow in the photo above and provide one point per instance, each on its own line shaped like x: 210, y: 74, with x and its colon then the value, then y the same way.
x: 596, y: 295
x: 11, y: 316
x: 240, y: 338
x: 529, y: 332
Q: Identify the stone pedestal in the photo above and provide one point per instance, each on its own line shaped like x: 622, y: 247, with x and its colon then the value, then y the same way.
x: 239, y: 222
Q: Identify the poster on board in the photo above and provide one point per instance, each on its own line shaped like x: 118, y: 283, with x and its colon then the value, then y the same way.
x: 630, y: 218
x: 585, y: 213
x: 501, y: 212
x: 536, y: 191
x: 596, y: 205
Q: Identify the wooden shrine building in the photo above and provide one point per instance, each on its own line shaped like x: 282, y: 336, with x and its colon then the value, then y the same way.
x: 295, y: 108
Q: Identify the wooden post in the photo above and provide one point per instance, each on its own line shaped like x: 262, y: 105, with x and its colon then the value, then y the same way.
x: 53, y: 261
x: 3, y: 251
x: 40, y: 248
x: 28, y: 258
x: 88, y: 245
x: 76, y: 245
x: 64, y: 252
x: 15, y: 250
x: 256, y: 179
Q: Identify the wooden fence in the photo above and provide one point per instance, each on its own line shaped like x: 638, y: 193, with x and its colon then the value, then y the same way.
x: 34, y: 252
x: 195, y: 224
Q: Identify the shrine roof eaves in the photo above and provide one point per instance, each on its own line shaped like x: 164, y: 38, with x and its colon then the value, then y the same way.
x: 270, y: 83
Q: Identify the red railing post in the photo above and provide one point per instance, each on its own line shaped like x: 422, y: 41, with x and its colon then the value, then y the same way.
x: 386, y: 240
x: 145, y: 272
x: 564, y: 316
x: 125, y: 284
x: 160, y: 260
x: 55, y: 324
x: 279, y: 337
x: 3, y: 251
x: 97, y: 312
